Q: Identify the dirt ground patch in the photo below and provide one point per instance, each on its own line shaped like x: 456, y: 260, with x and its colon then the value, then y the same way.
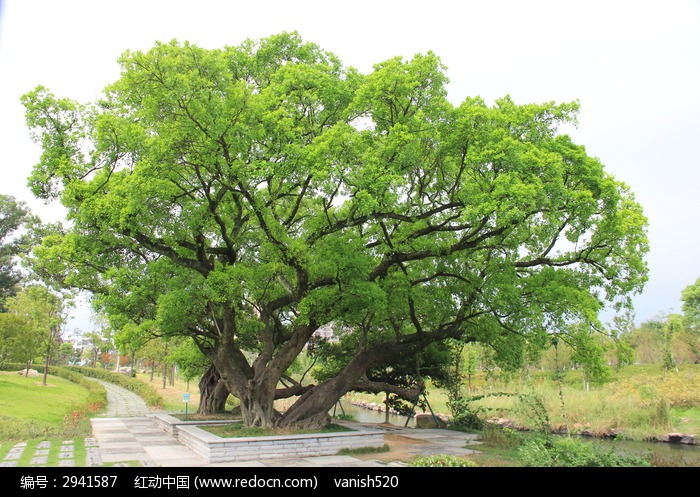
x: 400, y: 449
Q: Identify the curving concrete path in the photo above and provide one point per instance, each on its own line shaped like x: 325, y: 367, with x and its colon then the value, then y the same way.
x: 122, y: 403
x: 126, y: 432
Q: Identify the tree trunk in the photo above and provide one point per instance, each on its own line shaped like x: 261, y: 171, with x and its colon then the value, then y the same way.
x: 212, y: 392
x: 46, y: 364
x: 257, y: 405
x: 311, y: 410
x: 133, y: 364
x: 386, y: 407
x: 256, y: 385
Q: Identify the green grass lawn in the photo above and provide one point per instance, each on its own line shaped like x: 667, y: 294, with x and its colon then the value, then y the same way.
x: 30, y: 410
x: 33, y: 413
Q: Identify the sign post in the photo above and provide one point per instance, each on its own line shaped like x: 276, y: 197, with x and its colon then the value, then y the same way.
x: 186, y: 400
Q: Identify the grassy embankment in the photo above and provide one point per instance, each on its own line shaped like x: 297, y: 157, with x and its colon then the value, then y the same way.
x: 61, y: 408
x: 32, y: 412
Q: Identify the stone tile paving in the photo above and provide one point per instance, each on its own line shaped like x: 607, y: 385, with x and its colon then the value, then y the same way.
x: 40, y: 455
x: 93, y: 457
x: 14, y: 453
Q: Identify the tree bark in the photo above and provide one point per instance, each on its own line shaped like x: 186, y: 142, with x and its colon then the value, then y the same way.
x: 52, y: 339
x: 365, y: 385
x: 386, y: 407
x: 46, y: 364
x: 133, y: 364
x: 213, y: 392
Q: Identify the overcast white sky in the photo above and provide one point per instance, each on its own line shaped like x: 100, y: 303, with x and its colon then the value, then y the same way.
x: 634, y: 66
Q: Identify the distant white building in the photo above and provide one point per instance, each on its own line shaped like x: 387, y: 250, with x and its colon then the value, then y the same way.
x: 327, y: 332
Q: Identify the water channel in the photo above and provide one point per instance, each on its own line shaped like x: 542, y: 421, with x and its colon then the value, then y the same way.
x: 671, y: 451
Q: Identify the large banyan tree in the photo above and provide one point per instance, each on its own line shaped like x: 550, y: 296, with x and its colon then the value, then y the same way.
x: 247, y: 196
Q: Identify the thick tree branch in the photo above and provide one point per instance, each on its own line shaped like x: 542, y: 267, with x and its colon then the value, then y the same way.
x: 365, y: 385
x: 292, y: 391
x: 160, y: 247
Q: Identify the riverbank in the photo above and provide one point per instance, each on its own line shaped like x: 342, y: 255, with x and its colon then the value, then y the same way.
x: 640, y: 403
x: 444, y: 420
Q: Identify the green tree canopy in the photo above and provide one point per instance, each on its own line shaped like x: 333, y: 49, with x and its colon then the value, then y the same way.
x: 13, y: 216
x: 690, y: 296
x: 248, y: 195
x: 43, y: 311
x: 19, y: 341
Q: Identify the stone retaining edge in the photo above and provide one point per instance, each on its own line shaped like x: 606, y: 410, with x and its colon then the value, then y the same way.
x: 214, y: 449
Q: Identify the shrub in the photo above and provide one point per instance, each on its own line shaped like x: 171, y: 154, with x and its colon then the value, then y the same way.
x: 78, y: 421
x: 469, y: 414
x: 345, y: 417
x: 576, y: 453
x: 500, y: 438
x: 364, y: 450
x: 442, y: 461
x: 143, y: 390
x: 672, y: 461
x: 464, y: 416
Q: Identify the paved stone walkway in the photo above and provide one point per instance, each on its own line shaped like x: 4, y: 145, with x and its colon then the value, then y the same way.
x: 66, y: 454
x: 122, y: 403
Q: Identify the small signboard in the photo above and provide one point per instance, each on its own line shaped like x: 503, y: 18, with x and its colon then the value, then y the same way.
x: 185, y: 397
